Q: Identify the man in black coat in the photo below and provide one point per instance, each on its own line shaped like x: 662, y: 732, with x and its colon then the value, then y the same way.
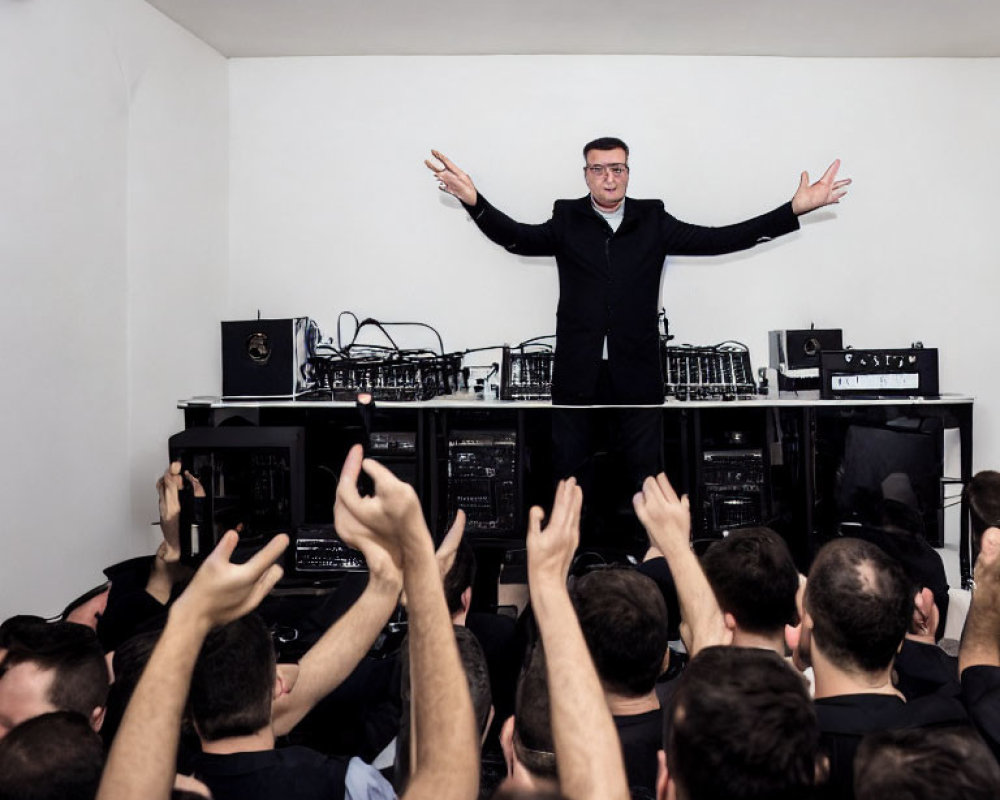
x: 610, y: 251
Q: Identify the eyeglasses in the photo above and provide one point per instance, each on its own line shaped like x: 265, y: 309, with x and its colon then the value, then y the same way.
x: 597, y: 170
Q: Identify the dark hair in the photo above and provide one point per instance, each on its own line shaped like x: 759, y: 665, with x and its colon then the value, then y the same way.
x: 911, y: 764
x: 605, y: 143
x: 129, y: 661
x: 460, y: 576
x: 533, y: 742
x: 983, y: 496
x: 861, y: 602
x: 80, y: 681
x: 754, y: 578
x: 14, y: 630
x: 741, y: 726
x: 624, y: 620
x: 55, y: 756
x: 233, y: 680
x: 478, y: 678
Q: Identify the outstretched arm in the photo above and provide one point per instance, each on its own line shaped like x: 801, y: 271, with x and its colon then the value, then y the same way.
x: 667, y: 519
x: 328, y: 662
x: 588, y: 752
x: 447, y: 762
x: 143, y: 756
x: 515, y: 237
x: 826, y: 191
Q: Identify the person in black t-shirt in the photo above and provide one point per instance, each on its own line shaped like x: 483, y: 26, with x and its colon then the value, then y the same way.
x: 624, y: 620
x: 856, y: 610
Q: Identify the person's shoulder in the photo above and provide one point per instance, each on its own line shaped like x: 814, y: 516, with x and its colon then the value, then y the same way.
x: 644, y: 205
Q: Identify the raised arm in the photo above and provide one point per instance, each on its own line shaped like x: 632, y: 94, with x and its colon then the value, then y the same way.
x: 328, y: 662
x: 447, y: 759
x: 515, y: 237
x: 667, y: 519
x: 588, y: 751
x: 981, y: 635
x: 143, y: 757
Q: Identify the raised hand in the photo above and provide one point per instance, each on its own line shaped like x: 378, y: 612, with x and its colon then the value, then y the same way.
x: 550, y: 551
x: 221, y: 591
x: 383, y: 525
x: 445, y: 554
x: 451, y: 179
x: 827, y: 190
x: 665, y: 516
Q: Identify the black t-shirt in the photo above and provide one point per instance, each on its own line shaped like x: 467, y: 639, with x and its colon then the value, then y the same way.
x: 641, y: 736
x: 844, y: 720
x: 923, y: 669
x: 291, y: 773
x: 981, y: 694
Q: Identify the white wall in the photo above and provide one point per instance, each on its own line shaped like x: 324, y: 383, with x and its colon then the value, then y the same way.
x: 113, y: 156
x: 332, y: 208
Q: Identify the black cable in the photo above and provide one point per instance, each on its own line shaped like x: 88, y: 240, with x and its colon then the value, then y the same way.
x: 340, y: 343
x: 421, y: 325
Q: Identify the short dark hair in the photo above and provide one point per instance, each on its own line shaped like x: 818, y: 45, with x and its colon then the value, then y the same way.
x: 233, y: 680
x: 533, y: 742
x: 80, y: 681
x: 20, y: 629
x: 860, y: 601
x: 911, y: 764
x: 624, y: 620
x: 741, y: 726
x: 130, y: 659
x: 754, y: 578
x: 982, y: 494
x: 460, y: 576
x: 605, y: 143
x: 55, y: 756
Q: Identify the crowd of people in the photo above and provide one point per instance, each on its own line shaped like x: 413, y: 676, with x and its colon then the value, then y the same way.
x: 725, y: 676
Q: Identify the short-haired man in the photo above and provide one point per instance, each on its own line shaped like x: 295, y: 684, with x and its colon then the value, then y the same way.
x: 526, y: 736
x: 610, y: 250
x: 57, y: 666
x: 624, y: 621
x: 943, y: 763
x: 754, y: 579
x: 741, y: 726
x: 857, y: 606
x: 54, y: 756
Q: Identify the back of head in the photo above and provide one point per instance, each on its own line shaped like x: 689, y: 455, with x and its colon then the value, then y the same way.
x: 624, y: 621
x: 233, y: 680
x: 460, y: 576
x: 80, y: 679
x: 742, y: 725
x: 861, y: 602
x: 476, y: 673
x: 913, y: 764
x: 129, y: 661
x: 983, y: 496
x: 754, y: 578
x: 55, y: 756
x: 533, y: 742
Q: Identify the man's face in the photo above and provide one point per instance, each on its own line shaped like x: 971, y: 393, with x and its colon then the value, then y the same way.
x: 24, y: 694
x: 607, y: 188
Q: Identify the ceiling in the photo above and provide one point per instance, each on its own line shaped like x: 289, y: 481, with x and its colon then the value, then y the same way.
x: 821, y: 28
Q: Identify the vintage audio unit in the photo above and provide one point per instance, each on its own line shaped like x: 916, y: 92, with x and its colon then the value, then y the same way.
x: 264, y: 358
x: 910, y: 372
x: 795, y: 355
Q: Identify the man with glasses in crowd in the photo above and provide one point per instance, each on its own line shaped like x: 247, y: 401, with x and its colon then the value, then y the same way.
x: 610, y: 251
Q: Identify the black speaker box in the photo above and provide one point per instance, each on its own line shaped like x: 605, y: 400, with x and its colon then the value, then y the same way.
x: 266, y: 358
